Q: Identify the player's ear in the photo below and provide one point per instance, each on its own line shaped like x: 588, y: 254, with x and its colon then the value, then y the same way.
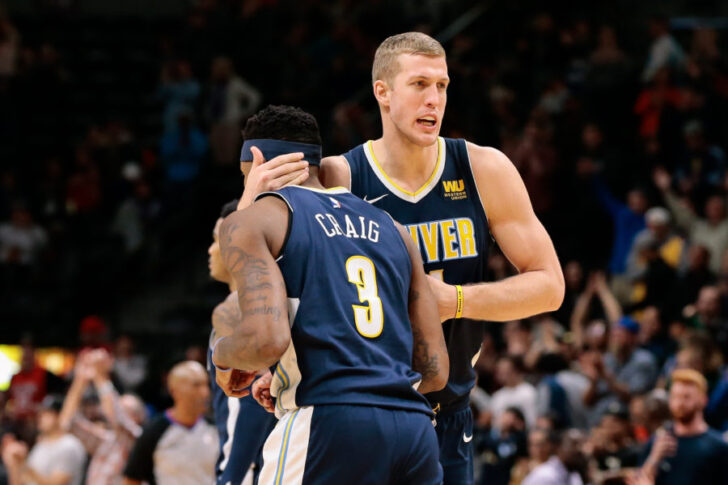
x: 381, y: 92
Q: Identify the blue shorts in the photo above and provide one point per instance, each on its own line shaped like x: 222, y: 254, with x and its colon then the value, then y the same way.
x: 344, y: 444
x: 455, y: 434
x: 248, y: 426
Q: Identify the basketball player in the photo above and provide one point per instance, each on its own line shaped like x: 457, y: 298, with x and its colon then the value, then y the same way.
x: 451, y: 195
x: 327, y: 286
x: 241, y: 424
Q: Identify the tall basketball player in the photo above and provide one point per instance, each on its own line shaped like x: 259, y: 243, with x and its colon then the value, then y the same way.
x: 451, y: 195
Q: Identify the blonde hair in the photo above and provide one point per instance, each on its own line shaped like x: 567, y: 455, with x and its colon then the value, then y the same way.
x: 386, y: 66
x: 690, y: 376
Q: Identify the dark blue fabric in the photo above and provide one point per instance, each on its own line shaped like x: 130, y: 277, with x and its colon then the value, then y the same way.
x: 251, y: 429
x: 273, y: 148
x: 442, y: 205
x: 701, y: 459
x: 366, y: 445
x: 338, y: 364
x: 627, y: 224
x: 454, y: 436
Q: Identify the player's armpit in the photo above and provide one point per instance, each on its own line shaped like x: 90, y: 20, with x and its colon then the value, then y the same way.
x: 429, y: 351
x: 248, y: 241
x: 539, y: 286
x: 335, y: 172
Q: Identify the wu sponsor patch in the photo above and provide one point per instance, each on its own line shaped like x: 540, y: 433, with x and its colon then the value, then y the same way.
x: 455, y: 189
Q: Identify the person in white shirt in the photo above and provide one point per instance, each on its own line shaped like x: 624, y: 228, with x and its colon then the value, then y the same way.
x: 565, y: 466
x: 516, y: 392
x: 57, y: 458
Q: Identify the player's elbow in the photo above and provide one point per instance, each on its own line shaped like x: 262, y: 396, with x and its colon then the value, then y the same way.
x: 272, y: 348
x: 555, y: 290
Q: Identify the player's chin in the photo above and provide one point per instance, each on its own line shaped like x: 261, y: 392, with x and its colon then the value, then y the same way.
x: 425, y: 136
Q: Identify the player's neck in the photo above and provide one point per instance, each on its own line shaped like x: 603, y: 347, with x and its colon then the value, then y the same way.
x: 408, y: 164
x: 313, y: 182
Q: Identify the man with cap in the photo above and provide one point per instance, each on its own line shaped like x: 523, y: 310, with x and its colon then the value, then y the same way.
x: 620, y: 373
x: 687, y: 450
x: 659, y: 227
x: 58, y: 458
x: 613, y: 448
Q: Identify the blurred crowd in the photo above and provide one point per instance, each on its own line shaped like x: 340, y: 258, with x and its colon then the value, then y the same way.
x: 617, y: 123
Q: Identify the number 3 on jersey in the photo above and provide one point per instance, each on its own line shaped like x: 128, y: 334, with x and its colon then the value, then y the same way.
x: 369, y: 318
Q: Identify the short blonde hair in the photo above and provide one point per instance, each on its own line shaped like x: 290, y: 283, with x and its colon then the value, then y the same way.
x: 690, y: 376
x: 386, y: 66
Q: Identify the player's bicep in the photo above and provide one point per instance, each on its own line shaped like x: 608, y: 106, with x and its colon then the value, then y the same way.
x: 513, y: 223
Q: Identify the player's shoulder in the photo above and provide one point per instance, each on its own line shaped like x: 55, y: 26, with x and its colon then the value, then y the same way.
x: 488, y: 159
x: 335, y: 171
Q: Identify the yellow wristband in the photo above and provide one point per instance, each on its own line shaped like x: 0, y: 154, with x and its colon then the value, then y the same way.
x: 459, y: 308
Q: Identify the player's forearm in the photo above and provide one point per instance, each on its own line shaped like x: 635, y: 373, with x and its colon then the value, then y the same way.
x: 430, y: 359
x: 262, y: 333
x: 250, y: 350
x: 519, y: 296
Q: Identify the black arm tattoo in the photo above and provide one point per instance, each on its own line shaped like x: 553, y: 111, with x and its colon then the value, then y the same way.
x: 424, y: 360
x: 253, y: 277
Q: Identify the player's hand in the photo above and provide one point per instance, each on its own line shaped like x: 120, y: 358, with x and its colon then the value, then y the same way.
x: 446, y: 297
x: 261, y: 391
x: 234, y: 382
x: 283, y: 170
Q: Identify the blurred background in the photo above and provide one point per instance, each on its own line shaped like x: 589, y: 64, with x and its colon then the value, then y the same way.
x: 120, y: 135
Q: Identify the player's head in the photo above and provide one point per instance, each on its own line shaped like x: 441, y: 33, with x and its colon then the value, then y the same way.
x: 688, y: 395
x: 296, y: 129
x: 215, y: 263
x: 409, y: 77
x: 188, y: 386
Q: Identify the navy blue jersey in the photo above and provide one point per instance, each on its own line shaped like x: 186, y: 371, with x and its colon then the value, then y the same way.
x: 446, y: 219
x: 347, y: 274
x: 242, y: 426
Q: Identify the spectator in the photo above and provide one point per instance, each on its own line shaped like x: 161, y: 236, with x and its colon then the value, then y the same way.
x: 230, y: 101
x: 501, y: 449
x: 688, y: 451
x: 665, y: 52
x: 670, y: 245
x: 611, y: 443
x: 711, y: 232
x: 561, y: 391
x: 628, y: 219
x: 57, y: 457
x: 180, y: 431
x: 21, y: 240
x: 179, y: 92
x: 619, y: 373
x: 515, y: 391
x: 182, y: 151
x: 108, y: 446
x: 703, y: 165
x: 28, y: 388
x: 137, y: 217
x: 130, y: 367
x: 653, y: 335
x: 564, y: 467
x: 542, y: 443
x: 696, y: 276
